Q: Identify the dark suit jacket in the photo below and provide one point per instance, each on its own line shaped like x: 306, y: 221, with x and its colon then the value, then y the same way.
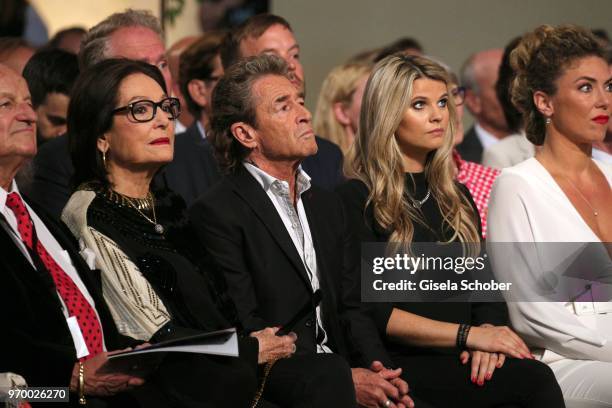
x: 248, y: 243
x: 53, y: 170
x: 471, y: 148
x: 325, y: 167
x: 37, y: 343
x: 194, y: 167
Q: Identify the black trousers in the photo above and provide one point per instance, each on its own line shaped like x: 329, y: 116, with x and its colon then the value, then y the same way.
x: 309, y: 381
x: 190, y: 380
x: 443, y: 381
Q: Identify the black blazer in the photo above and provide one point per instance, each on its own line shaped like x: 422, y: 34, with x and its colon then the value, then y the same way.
x: 248, y: 243
x: 53, y: 170
x: 37, y: 342
x: 470, y: 148
x: 325, y: 167
x: 194, y: 167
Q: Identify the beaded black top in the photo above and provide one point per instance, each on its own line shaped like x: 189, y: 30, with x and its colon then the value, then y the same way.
x: 169, y: 261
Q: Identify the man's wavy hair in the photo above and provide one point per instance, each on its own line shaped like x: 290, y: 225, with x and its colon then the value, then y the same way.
x: 233, y: 102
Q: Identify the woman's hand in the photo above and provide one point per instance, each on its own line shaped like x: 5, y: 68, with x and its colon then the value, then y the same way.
x: 483, y: 364
x: 273, y: 347
x: 497, y: 339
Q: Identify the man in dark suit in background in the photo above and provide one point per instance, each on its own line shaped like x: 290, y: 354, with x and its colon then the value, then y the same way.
x: 280, y: 241
x: 479, y: 76
x: 194, y: 167
x: 270, y: 34
x: 133, y: 34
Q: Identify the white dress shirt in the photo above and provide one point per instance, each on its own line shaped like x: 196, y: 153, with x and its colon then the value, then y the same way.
x: 201, y: 129
x: 297, y: 226
x: 59, y: 255
x: 487, y: 139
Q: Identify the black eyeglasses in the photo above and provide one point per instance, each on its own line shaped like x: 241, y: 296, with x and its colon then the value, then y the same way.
x: 458, y: 95
x: 145, y: 110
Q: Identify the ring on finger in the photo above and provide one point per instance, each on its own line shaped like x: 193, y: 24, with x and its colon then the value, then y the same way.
x: 387, y: 404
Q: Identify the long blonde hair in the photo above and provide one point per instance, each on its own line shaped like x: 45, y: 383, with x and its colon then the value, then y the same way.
x: 339, y: 86
x: 376, y: 159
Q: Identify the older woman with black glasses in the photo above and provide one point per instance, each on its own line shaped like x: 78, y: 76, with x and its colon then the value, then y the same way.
x: 121, y: 131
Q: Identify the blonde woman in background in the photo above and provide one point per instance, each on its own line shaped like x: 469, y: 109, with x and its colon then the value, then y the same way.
x: 337, y: 113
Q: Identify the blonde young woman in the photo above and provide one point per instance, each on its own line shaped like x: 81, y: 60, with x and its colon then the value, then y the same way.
x: 337, y: 115
x: 403, y: 191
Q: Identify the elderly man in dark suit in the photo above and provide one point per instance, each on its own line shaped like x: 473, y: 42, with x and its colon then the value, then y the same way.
x: 56, y: 326
x: 282, y: 243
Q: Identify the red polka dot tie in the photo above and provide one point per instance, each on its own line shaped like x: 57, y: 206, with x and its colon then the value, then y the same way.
x: 76, y: 303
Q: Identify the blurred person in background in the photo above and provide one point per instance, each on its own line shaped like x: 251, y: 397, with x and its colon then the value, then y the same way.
x: 337, y: 113
x: 194, y: 167
x: 68, y: 39
x: 50, y: 74
x: 478, y: 77
x: 404, y: 46
x: 514, y: 148
x: 15, y: 53
x: 174, y: 56
x: 20, y: 19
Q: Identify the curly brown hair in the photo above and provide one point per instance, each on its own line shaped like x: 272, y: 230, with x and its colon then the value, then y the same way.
x: 539, y: 60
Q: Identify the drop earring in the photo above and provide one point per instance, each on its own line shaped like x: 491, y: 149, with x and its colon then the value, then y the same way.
x: 104, y: 159
x: 547, y: 121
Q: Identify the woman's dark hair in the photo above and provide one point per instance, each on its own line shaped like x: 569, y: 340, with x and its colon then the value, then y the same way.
x: 90, y: 113
x: 538, y: 61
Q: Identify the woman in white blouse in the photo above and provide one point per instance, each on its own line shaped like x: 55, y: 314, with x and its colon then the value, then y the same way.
x: 563, y: 88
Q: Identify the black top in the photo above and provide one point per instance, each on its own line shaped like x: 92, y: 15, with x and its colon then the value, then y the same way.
x: 354, y: 194
x: 171, y: 263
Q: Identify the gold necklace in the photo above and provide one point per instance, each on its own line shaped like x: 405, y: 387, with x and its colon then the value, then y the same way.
x: 595, y: 212
x: 140, y: 204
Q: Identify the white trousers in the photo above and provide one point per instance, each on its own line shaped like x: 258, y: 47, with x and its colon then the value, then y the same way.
x: 585, y: 384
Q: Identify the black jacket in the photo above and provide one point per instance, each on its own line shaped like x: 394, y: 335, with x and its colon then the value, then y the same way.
x: 37, y: 343
x: 248, y: 243
x: 470, y: 148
